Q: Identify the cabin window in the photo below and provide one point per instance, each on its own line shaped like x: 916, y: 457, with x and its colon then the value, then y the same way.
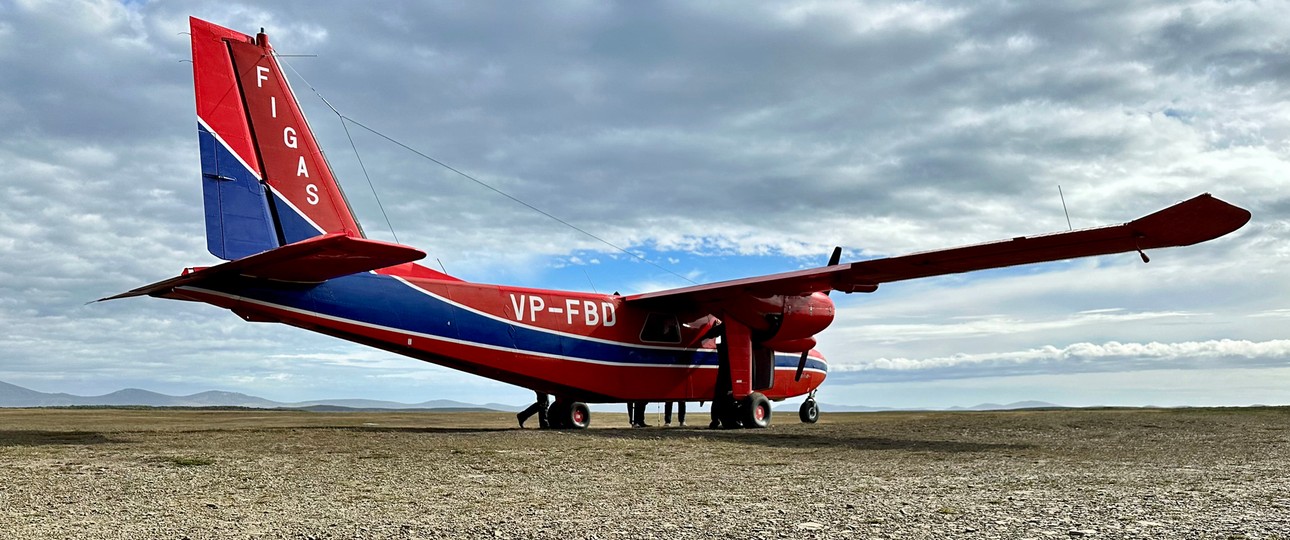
x: 661, y: 328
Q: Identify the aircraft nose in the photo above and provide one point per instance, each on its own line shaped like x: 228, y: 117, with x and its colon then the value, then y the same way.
x: 819, y: 356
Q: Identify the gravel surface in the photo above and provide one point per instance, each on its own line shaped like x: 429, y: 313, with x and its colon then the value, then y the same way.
x: 1189, y: 473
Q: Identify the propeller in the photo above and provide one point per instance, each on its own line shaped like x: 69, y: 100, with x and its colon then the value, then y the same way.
x: 801, y: 363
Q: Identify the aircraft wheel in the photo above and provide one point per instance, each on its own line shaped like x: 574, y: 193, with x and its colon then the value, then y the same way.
x: 579, y: 416
x: 755, y: 410
x: 809, y: 412
x: 558, y: 415
x: 730, y: 414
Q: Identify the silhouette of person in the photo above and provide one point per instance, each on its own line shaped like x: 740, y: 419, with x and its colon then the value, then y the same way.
x: 680, y: 413
x: 540, y: 407
x: 638, y: 414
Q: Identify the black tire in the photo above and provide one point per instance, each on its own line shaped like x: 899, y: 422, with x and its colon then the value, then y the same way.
x: 809, y: 412
x: 729, y: 414
x: 579, y: 416
x: 558, y: 415
x: 755, y: 411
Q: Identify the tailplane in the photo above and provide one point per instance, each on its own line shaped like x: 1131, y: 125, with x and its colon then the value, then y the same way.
x: 264, y: 179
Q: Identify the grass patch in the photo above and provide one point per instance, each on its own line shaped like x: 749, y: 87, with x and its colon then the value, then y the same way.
x: 188, y: 461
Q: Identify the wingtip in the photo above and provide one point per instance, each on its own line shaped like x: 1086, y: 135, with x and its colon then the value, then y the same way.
x: 1198, y: 219
x: 1225, y: 216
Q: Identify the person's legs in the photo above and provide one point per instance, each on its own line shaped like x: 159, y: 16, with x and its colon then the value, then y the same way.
x: 640, y: 413
x: 526, y: 413
x: 544, y: 405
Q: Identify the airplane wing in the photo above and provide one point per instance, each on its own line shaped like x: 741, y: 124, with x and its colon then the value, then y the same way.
x: 313, y: 260
x: 1201, y: 218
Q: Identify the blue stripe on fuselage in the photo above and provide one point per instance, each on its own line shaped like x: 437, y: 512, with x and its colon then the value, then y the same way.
x: 386, y: 301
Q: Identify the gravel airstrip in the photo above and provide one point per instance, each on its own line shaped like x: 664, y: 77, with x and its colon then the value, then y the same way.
x: 153, y: 473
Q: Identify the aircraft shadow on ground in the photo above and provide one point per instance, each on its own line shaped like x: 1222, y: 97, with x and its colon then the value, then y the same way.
x: 21, y: 437
x: 768, y: 438
x: 799, y: 440
x: 423, y: 430
x: 356, y: 429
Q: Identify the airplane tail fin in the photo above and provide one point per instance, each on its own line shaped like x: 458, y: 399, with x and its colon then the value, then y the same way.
x: 264, y: 179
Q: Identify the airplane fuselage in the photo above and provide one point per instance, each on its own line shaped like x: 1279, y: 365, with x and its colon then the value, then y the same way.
x: 580, y: 346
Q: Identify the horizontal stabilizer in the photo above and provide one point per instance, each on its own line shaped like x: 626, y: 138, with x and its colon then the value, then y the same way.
x: 313, y: 260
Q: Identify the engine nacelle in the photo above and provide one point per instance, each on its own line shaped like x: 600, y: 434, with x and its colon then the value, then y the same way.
x: 791, y: 345
x: 785, y: 323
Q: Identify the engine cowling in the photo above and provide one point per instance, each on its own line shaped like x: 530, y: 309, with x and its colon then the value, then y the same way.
x: 793, y: 345
x: 786, y: 323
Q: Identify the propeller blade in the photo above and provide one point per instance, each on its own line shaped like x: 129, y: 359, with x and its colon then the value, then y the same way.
x: 801, y: 364
x: 833, y: 261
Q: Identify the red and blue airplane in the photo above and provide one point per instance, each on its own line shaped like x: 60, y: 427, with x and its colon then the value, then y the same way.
x: 295, y: 254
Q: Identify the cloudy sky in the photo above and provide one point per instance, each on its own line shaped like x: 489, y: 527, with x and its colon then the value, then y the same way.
x: 717, y: 139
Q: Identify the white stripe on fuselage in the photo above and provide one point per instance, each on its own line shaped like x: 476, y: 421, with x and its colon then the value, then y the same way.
x: 433, y: 337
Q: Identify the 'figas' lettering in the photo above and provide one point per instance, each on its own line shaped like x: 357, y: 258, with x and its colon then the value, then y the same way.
x: 290, y: 137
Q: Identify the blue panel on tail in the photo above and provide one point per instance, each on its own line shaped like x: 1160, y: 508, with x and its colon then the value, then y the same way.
x: 295, y: 226
x: 238, y: 222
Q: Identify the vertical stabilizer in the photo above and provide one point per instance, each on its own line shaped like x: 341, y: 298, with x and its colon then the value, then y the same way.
x: 265, y: 181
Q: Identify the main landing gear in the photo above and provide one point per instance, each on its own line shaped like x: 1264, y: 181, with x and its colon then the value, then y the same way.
x: 753, y: 411
x: 569, y: 415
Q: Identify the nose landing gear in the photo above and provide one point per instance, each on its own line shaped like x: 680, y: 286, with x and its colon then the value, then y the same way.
x: 809, y: 412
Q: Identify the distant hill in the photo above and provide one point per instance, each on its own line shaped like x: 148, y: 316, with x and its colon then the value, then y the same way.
x: 829, y: 407
x: 12, y: 395
x: 1009, y: 407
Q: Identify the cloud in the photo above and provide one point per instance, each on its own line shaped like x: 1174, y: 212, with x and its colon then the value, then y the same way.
x: 722, y: 139
x: 1075, y: 358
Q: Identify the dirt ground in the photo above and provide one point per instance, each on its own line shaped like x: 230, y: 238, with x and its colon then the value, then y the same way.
x: 1183, y: 473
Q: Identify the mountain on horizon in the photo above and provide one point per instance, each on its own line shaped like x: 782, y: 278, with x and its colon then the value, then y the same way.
x: 829, y: 407
x: 1009, y: 407
x: 12, y: 395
